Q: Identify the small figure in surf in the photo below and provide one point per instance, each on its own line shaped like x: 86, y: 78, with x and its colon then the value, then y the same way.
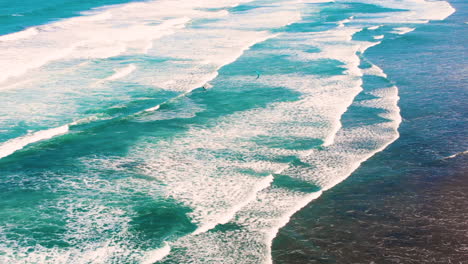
x: 206, y: 86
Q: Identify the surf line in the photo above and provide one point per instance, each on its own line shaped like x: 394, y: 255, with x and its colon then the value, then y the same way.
x: 461, y: 153
x: 13, y: 145
x: 204, y: 87
x: 9, y: 147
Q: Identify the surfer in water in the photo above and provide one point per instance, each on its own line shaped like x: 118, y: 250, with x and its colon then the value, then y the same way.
x: 258, y: 75
x: 206, y: 86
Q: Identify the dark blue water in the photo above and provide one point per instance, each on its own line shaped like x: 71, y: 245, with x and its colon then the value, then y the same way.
x: 407, y: 204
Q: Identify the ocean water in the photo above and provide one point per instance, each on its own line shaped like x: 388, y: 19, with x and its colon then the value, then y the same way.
x: 181, y: 131
x: 407, y: 204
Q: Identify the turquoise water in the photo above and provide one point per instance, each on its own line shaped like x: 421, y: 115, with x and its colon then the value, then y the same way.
x: 184, y: 132
x: 18, y: 16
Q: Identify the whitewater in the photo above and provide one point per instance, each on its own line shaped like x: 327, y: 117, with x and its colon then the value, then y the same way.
x: 175, y: 131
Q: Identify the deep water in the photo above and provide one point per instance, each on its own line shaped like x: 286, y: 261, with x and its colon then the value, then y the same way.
x: 407, y: 204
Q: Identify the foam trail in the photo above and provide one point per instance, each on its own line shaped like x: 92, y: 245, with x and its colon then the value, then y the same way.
x: 286, y: 217
x: 375, y: 70
x: 120, y: 73
x: 402, y: 30
x: 380, y: 135
x: 13, y: 145
x: 456, y: 155
x: 156, y: 255
x: 343, y: 22
x: 228, y: 216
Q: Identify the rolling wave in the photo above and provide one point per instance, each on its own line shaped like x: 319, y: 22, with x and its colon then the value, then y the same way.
x: 177, y: 80
x: 456, y: 155
x: 12, y: 145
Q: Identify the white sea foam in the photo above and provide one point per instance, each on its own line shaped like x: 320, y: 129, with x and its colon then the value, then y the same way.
x: 264, y: 183
x: 196, y: 155
x: 456, y: 155
x: 13, y: 145
x: 334, y: 44
x: 374, y: 70
x: 343, y: 22
x: 402, y: 30
x: 347, y: 149
x: 76, y: 40
x: 86, y: 221
x: 258, y: 224
x: 15, y: 84
x: 122, y: 72
x: 286, y: 214
x: 19, y: 35
x: 99, y: 34
x: 156, y: 254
